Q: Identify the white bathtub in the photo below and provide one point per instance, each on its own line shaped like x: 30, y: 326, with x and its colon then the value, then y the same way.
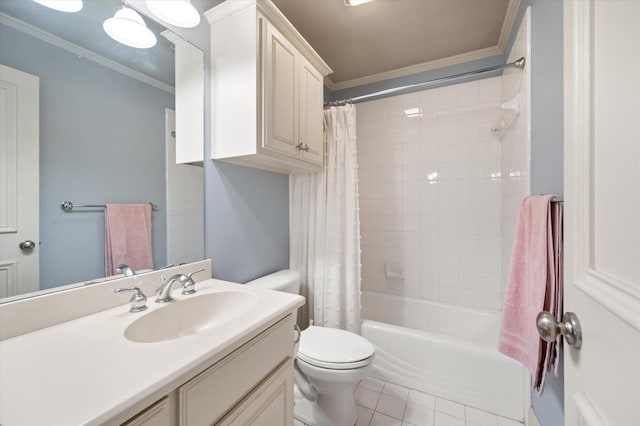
x: 444, y: 350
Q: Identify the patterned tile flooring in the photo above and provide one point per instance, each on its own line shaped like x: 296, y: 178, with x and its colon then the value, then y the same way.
x: 381, y: 403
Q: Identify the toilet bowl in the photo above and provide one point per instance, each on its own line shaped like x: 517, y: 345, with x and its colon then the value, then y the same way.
x: 329, y: 362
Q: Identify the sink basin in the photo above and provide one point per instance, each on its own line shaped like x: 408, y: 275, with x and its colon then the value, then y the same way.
x: 189, y: 316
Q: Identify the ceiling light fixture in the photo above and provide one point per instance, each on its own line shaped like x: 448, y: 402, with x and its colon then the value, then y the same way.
x: 62, y: 5
x: 128, y: 27
x: 355, y: 2
x: 179, y: 13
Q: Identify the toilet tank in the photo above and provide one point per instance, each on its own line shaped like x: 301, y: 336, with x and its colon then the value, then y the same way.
x: 287, y: 280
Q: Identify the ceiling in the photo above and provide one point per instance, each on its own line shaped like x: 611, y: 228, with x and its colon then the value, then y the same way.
x: 374, y: 41
x: 390, y: 38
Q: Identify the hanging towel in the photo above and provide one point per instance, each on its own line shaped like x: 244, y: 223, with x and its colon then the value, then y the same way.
x: 127, y: 237
x: 534, y: 285
x: 555, y: 300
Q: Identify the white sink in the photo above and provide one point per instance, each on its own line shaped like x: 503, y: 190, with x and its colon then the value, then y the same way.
x: 190, y: 315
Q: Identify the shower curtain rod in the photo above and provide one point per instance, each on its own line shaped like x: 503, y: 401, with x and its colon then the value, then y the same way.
x: 519, y: 64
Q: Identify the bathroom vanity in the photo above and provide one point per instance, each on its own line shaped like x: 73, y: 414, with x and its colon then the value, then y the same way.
x: 220, y: 356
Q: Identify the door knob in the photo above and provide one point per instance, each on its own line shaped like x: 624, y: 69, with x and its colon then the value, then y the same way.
x: 549, y: 328
x: 27, y: 245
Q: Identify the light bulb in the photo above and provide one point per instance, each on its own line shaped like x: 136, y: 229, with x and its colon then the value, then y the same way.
x: 128, y: 27
x: 179, y: 13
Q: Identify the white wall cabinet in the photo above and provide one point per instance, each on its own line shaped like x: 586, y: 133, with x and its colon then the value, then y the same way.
x: 267, y: 90
x: 189, y: 132
x: 251, y: 385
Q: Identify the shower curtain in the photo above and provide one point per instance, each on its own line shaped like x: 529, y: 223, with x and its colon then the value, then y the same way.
x: 324, y: 228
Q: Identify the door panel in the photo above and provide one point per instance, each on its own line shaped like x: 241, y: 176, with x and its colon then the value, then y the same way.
x: 19, y: 181
x: 281, y: 81
x: 602, y: 202
x: 311, y: 131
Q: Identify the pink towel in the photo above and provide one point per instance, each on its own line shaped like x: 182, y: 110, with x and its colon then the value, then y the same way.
x: 534, y: 285
x: 127, y: 237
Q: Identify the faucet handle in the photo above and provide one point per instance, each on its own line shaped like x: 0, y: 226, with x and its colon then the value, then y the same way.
x: 189, y: 286
x: 138, y: 300
x: 195, y: 272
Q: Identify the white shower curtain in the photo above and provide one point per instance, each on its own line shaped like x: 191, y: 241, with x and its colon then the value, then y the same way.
x: 324, y: 228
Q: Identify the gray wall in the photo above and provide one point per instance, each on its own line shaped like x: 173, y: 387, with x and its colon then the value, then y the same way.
x: 547, y: 136
x: 547, y: 124
x: 246, y: 210
x: 101, y: 140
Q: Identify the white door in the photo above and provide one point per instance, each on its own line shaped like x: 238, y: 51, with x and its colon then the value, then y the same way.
x: 602, y: 203
x: 19, y: 172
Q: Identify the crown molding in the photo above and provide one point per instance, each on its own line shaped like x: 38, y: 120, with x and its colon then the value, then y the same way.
x: 415, y: 69
x: 47, y: 37
x: 498, y: 49
x: 507, y: 24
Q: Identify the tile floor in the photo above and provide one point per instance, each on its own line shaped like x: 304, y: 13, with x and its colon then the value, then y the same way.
x: 381, y: 403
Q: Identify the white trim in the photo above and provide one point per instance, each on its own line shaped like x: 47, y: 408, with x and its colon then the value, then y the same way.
x: 9, y: 158
x: 9, y: 270
x: 54, y: 40
x: 507, y: 24
x: 414, y: 69
x: 498, y: 49
x: 620, y: 298
x: 608, y: 293
x: 589, y: 415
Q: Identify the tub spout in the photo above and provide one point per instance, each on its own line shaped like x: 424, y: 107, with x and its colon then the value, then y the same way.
x: 126, y: 270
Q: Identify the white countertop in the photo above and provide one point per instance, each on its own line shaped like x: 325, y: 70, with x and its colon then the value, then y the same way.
x: 85, y: 371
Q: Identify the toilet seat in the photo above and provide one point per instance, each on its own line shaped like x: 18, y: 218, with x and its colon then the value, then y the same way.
x: 334, y: 349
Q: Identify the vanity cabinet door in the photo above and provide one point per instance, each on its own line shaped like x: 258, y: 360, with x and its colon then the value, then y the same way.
x: 159, y: 414
x: 269, y: 404
x: 206, y: 398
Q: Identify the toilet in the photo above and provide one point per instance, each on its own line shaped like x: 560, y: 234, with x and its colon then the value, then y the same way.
x: 329, y: 362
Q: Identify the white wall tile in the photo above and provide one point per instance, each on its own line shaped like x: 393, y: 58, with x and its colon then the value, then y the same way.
x: 432, y: 180
x: 448, y: 96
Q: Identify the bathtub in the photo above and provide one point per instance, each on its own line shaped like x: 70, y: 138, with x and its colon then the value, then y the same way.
x: 444, y: 350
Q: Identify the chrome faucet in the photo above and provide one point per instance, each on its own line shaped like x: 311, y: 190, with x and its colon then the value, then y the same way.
x: 126, y: 270
x: 163, y: 294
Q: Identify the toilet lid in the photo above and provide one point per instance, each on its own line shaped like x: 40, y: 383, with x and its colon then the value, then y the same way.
x: 333, y: 348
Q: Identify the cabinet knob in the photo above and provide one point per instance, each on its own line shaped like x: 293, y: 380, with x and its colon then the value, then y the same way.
x: 302, y: 148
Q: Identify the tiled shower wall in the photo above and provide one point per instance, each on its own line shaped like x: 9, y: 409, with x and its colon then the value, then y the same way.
x: 430, y: 194
x: 439, y: 190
